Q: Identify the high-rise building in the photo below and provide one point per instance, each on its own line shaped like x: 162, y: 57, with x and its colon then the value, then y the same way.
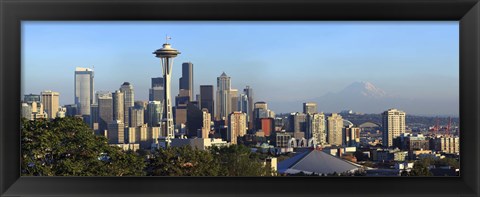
x: 105, y: 111
x: 153, y: 115
x: 249, y: 93
x: 116, y: 132
x: 316, y: 128
x: 297, y: 122
x: 26, y: 111
x: 50, y: 101
x: 128, y: 99
x: 237, y: 126
x: 206, y: 98
x: 267, y: 125
x: 118, y: 106
x: 206, y: 123
x: 186, y: 81
x: 260, y: 110
x: 393, y: 123
x: 309, y: 108
x: 194, y: 119
x: 181, y: 102
x: 351, y: 135
x: 224, y: 101
x: 447, y: 144
x: 94, y: 116
x: 157, y: 82
x: 234, y: 98
x: 84, y: 88
x: 29, y: 98
x: 136, y: 116
x: 243, y: 105
x: 335, y: 129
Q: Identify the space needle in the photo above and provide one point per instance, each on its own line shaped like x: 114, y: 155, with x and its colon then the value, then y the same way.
x: 166, y: 55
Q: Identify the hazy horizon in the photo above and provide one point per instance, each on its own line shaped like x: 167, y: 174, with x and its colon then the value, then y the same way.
x: 284, y: 62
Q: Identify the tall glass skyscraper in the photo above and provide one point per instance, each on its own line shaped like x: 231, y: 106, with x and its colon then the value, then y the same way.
x: 128, y: 93
x: 186, y: 81
x: 224, y: 100
x: 206, y: 99
x: 84, y: 95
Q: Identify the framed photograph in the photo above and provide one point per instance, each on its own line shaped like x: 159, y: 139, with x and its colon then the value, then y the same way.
x: 205, y: 98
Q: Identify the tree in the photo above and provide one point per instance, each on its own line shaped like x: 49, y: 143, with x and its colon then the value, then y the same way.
x: 238, y: 160
x: 420, y: 167
x: 182, y: 161
x: 68, y: 147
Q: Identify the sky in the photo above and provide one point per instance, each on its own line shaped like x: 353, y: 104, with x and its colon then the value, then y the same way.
x: 282, y: 61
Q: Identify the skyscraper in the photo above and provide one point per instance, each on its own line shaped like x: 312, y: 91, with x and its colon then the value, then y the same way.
x: 206, y: 99
x: 237, y: 126
x: 186, y: 81
x: 181, y: 102
x: 335, y: 129
x: 309, y: 108
x: 84, y: 90
x: 105, y: 111
x: 393, y: 124
x: 29, y: 98
x: 298, y: 122
x: 157, y: 82
x: 153, y: 115
x: 316, y: 128
x: 50, y: 101
x: 205, y: 123
x: 249, y: 93
x: 127, y: 89
x: 116, y: 132
x: 136, y: 116
x: 234, y: 98
x: 118, y: 106
x: 243, y: 105
x: 224, y: 100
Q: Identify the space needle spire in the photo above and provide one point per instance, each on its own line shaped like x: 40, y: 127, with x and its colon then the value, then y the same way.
x: 166, y: 55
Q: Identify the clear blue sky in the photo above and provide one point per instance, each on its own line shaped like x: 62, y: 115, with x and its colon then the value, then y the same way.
x: 281, y: 61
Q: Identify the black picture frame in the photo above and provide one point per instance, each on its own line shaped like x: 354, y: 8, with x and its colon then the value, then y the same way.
x: 12, y: 12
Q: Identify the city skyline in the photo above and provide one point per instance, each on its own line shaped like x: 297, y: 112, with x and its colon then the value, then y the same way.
x: 424, y: 68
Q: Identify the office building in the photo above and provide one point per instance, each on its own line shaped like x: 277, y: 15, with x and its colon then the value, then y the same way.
x: 94, y: 113
x: 84, y: 88
x: 26, y: 111
x: 129, y: 97
x: 206, y: 123
x: 310, y: 108
x: 393, y: 123
x: 118, y: 106
x: 267, y: 126
x: 105, y: 111
x: 29, y: 98
x: 153, y: 115
x: 116, y: 132
x: 194, y: 119
x: 50, y: 101
x: 249, y: 93
x: 136, y: 116
x: 224, y: 101
x: 181, y: 102
x: 351, y: 135
x: 243, y: 105
x: 316, y: 128
x: 335, y: 129
x: 234, y: 99
x: 447, y: 144
x: 237, y: 126
x: 206, y: 99
x: 186, y: 81
x: 297, y: 122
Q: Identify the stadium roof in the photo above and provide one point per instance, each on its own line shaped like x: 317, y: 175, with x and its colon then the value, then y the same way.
x: 315, y: 161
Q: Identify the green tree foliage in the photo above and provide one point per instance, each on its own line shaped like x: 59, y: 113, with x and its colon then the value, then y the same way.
x: 68, y: 147
x: 182, y: 161
x: 238, y: 160
x: 420, y: 167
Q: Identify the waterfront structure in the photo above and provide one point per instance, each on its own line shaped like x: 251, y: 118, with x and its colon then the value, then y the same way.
x: 249, y: 93
x: 50, y: 101
x: 105, y: 111
x: 393, y: 124
x: 224, y: 100
x: 310, y: 108
x: 84, y: 87
x: 334, y: 129
x: 316, y: 128
x: 186, y: 81
x: 206, y: 99
x: 129, y: 98
x: 237, y: 126
x: 166, y: 55
x: 118, y: 106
